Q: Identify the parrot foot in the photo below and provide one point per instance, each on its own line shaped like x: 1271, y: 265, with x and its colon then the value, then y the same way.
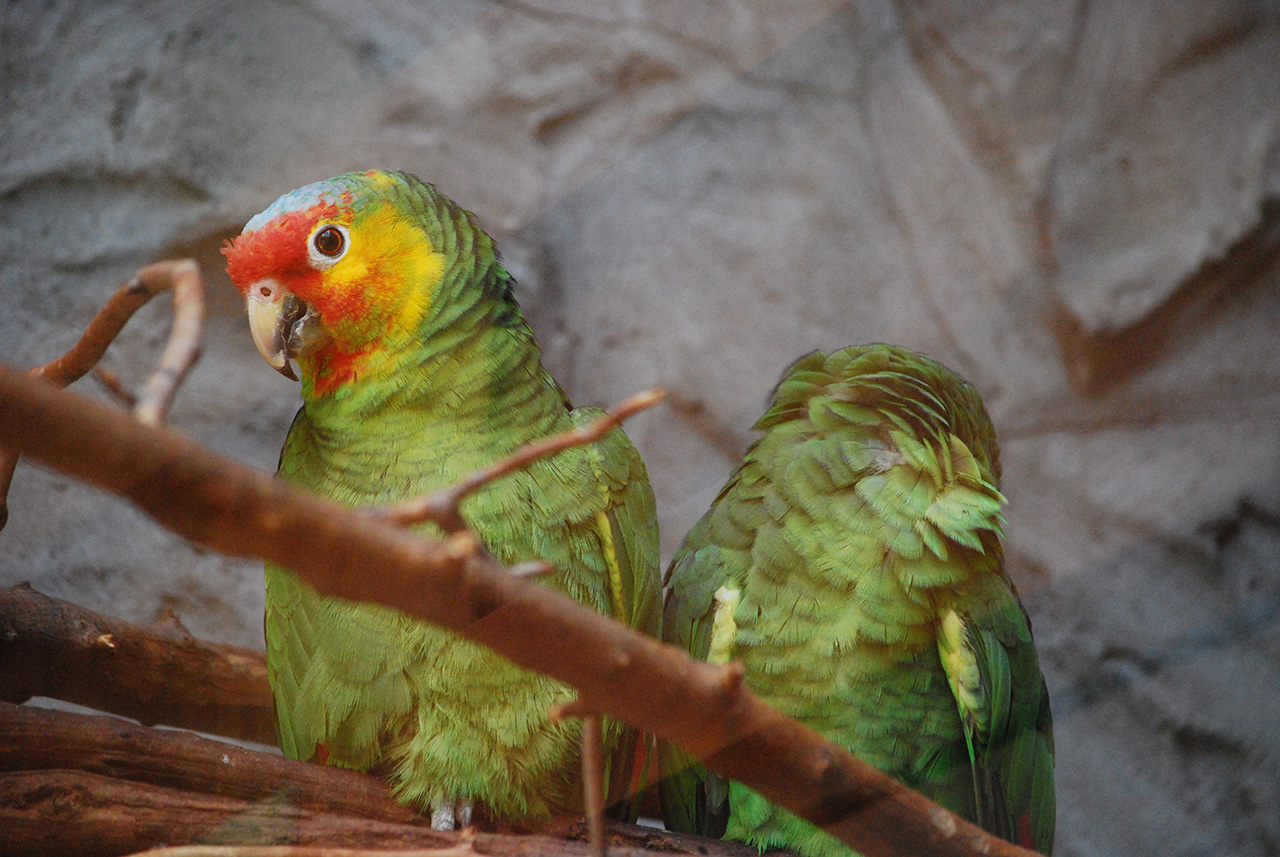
x: 449, y: 814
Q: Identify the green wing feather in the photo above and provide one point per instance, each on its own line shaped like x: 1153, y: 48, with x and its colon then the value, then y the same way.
x: 628, y: 527
x: 867, y: 513
x: 694, y: 800
x: 991, y: 665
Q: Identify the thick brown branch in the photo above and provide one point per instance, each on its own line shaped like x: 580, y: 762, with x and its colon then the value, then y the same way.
x: 59, y: 813
x: 183, y: 278
x: 78, y: 784
x: 156, y: 674
x: 41, y: 740
x: 620, y: 672
x: 33, y: 739
x: 442, y: 506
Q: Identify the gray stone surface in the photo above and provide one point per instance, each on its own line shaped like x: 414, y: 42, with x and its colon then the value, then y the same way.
x: 1075, y: 205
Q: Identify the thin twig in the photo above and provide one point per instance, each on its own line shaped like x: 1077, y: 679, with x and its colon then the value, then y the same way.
x: 442, y: 507
x: 180, y: 276
x: 115, y: 388
x: 593, y: 783
x: 183, y: 349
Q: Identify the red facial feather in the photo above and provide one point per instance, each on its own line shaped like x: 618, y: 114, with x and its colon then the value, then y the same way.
x: 277, y: 250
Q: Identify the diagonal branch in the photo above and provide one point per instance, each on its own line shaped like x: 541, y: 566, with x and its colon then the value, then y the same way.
x: 705, y: 709
x: 182, y: 277
x: 442, y: 507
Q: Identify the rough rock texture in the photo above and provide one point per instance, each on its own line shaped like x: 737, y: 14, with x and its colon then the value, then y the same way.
x: 1077, y: 205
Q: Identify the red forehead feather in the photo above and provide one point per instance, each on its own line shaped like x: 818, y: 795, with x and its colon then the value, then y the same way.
x: 278, y: 249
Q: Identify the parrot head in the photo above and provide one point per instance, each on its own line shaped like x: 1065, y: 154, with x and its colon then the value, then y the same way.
x: 342, y: 275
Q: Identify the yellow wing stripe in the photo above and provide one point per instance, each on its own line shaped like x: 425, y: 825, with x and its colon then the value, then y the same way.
x: 611, y: 562
x: 724, y: 627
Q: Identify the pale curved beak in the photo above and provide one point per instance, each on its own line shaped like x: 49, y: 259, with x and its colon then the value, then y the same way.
x: 267, y: 323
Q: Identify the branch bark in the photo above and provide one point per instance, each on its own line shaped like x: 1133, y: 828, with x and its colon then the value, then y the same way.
x: 155, y: 674
x: 57, y: 813
x: 703, y: 708
x: 35, y: 739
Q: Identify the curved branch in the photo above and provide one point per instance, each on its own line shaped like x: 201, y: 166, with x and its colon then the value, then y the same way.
x: 182, y: 277
x: 705, y: 709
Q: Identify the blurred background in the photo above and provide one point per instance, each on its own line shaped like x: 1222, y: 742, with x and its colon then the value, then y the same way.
x: 1075, y: 205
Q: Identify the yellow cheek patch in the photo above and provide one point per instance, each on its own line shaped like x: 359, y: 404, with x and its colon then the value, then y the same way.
x: 390, y: 274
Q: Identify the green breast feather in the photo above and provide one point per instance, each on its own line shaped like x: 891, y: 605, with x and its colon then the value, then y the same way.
x: 853, y: 564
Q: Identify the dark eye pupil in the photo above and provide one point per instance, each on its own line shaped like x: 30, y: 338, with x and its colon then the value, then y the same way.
x: 329, y: 241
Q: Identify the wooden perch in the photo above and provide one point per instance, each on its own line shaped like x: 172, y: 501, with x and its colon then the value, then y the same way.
x: 92, y: 785
x: 35, y: 739
x: 705, y: 709
x: 155, y: 674
x: 182, y: 278
x: 99, y: 816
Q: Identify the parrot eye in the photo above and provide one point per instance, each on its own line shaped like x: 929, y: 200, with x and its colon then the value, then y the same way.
x: 329, y: 242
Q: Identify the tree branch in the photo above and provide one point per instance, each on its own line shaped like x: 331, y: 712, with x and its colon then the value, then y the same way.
x: 182, y: 277
x: 155, y: 674
x: 59, y: 813
x: 92, y: 785
x: 703, y: 708
x: 35, y: 739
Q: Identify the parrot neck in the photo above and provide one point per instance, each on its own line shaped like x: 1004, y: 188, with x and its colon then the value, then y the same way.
x: 484, y: 372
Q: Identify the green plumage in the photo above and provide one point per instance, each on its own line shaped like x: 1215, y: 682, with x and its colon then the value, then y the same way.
x: 362, y: 686
x: 853, y: 564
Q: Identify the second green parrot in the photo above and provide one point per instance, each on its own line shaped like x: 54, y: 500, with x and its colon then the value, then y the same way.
x: 853, y: 564
x: 417, y: 368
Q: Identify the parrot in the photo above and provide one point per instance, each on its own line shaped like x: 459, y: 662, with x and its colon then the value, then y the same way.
x: 417, y: 368
x: 853, y: 565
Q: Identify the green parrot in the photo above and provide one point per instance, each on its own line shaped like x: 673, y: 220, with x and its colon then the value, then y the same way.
x: 853, y: 564
x: 417, y: 367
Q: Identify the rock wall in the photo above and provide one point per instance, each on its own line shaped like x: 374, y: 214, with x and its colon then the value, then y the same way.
x: 1075, y: 205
